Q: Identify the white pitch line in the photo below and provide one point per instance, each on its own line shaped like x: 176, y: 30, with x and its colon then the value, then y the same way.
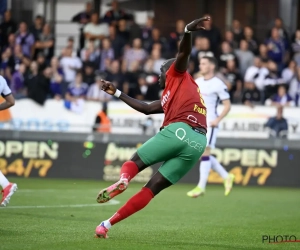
x: 111, y: 202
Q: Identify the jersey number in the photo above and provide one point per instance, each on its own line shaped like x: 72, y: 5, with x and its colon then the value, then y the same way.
x: 201, y: 99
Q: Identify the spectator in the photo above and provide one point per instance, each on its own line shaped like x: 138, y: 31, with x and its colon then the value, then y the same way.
x: 88, y: 75
x: 16, y: 58
x: 252, y: 42
x: 281, y: 98
x: 294, y: 88
x: 148, y: 126
x: 272, y: 80
x: 5, y: 70
x: 83, y: 18
x: 278, y: 125
x: 263, y: 52
x: 17, y: 83
x: 11, y: 42
x: 196, y: 47
x: 115, y: 14
x: 117, y: 42
x: 45, y: 43
x: 38, y: 85
x: 57, y: 87
x: 106, y: 55
x: 70, y: 65
x: 296, y: 47
x: 230, y: 39
x: 27, y: 62
x: 276, y: 49
x: 147, y: 30
x: 102, y: 122
x: 7, y: 27
x: 144, y: 90
x: 134, y: 30
x: 76, y: 94
x: 115, y: 76
x: 237, y: 31
x: 153, y: 64
x: 25, y: 39
x: 37, y: 28
x: 134, y: 57
x: 235, y: 80
x: 96, y: 94
x: 251, y: 95
x: 95, y: 31
x: 70, y: 43
x: 226, y: 55
x: 90, y: 53
x: 245, y: 57
x: 212, y: 34
x: 41, y: 61
x: 123, y: 32
x: 204, y: 50
x: 278, y: 24
x: 256, y: 74
x: 289, y: 73
x: 156, y: 38
x: 176, y: 36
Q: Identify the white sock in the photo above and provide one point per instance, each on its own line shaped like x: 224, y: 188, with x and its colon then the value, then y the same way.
x: 3, y: 181
x: 216, y: 166
x: 106, y: 223
x: 204, y: 169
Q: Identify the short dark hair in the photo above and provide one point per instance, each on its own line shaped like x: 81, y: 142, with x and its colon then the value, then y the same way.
x: 212, y: 60
x: 167, y: 64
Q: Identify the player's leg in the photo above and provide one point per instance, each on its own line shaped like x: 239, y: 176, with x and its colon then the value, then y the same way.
x: 190, y: 149
x: 128, y: 171
x: 205, y: 164
x: 8, y: 189
x: 156, y: 149
x: 204, y: 169
x: 228, y: 178
x: 136, y: 203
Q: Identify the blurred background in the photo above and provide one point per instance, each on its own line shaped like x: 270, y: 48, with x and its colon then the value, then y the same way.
x: 54, y: 52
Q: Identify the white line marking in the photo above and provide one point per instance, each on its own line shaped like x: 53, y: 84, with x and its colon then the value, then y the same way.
x: 111, y: 202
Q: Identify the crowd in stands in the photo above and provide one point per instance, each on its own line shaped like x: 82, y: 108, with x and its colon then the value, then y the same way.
x: 114, y: 47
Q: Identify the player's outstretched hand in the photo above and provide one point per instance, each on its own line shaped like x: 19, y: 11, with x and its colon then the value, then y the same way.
x: 196, y: 24
x: 108, y: 87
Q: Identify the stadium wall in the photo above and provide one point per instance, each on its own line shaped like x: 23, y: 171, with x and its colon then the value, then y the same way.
x: 258, y: 162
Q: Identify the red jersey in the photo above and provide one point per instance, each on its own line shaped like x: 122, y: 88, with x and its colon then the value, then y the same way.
x: 182, y: 100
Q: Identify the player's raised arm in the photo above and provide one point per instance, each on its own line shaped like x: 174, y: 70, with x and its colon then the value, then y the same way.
x: 151, y: 108
x: 185, y: 46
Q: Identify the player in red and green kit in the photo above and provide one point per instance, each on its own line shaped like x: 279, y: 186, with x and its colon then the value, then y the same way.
x: 180, y: 142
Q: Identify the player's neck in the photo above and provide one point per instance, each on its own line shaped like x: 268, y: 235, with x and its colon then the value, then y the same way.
x: 208, y: 76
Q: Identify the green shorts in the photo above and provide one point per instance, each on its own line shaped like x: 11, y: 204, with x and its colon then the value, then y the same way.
x: 178, y: 146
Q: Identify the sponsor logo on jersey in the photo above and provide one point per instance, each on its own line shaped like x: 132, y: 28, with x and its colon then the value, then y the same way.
x: 165, y: 98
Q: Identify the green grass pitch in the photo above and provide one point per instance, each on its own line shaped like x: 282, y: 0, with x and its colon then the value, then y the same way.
x: 68, y: 215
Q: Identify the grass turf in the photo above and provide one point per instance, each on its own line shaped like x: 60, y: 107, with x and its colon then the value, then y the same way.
x: 171, y: 221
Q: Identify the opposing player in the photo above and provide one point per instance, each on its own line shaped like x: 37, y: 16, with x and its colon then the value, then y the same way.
x: 179, y: 144
x: 8, y: 188
x: 213, y: 91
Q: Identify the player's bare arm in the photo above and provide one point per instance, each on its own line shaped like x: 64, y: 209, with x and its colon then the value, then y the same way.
x: 185, y: 46
x: 225, y: 111
x: 151, y: 108
x: 9, y: 102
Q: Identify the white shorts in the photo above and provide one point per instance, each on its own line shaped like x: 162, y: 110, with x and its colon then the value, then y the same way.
x: 211, y: 136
